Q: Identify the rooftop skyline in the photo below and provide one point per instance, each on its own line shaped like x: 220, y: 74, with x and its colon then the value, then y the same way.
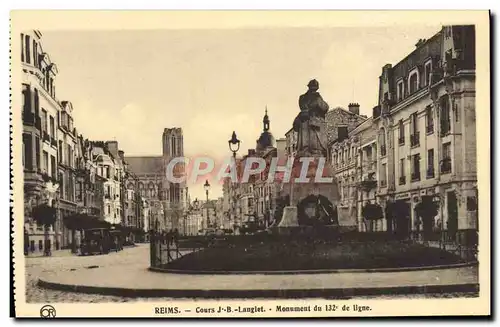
x: 130, y: 85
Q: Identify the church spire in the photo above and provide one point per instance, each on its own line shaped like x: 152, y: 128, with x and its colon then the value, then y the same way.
x: 266, y: 121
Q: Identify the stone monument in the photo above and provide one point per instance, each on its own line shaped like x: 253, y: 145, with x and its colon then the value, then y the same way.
x: 312, y: 203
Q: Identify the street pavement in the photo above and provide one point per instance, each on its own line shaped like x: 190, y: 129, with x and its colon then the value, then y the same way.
x: 129, y: 268
x: 62, y: 261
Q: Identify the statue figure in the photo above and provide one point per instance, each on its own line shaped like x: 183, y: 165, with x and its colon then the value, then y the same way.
x: 310, y: 123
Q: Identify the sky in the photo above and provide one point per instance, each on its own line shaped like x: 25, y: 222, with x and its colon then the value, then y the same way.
x: 129, y: 85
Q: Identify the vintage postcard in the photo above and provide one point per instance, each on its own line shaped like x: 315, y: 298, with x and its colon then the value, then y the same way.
x: 250, y: 164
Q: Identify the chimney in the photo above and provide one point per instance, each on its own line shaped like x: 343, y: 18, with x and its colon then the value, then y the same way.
x: 420, y: 42
x: 354, y: 108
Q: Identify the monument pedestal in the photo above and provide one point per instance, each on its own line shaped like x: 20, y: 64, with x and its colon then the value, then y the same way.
x: 312, y: 190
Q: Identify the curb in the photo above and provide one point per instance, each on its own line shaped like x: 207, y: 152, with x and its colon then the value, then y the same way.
x: 338, y: 293
x: 309, y: 272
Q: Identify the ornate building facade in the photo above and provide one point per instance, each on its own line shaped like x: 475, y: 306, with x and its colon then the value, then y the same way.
x: 168, y: 200
x: 49, y: 139
x: 354, y: 161
x: 427, y: 132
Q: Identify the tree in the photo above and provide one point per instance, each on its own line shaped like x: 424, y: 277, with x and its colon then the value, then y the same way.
x: 45, y: 216
x: 427, y: 209
x: 372, y: 212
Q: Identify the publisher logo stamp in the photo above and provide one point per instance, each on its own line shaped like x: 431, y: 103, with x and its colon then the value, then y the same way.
x: 48, y: 311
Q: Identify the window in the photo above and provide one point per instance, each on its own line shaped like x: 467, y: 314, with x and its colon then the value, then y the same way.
x: 427, y: 73
x: 26, y: 98
x: 61, y: 152
x: 414, y: 134
x: 35, y: 53
x: 369, y: 153
x: 51, y: 87
x: 471, y: 203
x: 68, y: 154
x: 106, y: 171
x: 79, y: 191
x: 53, y: 166
x: 45, y: 162
x: 446, y: 162
x: 52, y: 127
x: 28, y: 151
x: 61, y: 184
x: 402, y: 177
x: 445, y: 117
x: 400, y: 90
x: 37, y: 151
x: 44, y: 120
x: 413, y: 83
x: 430, y: 163
x: 37, y: 105
x: 383, y: 150
x: 414, y: 123
x: 109, y: 209
x: 342, y: 133
x: 27, y: 49
x: 22, y: 47
x: 429, y: 120
x: 415, y: 174
x: 401, y: 139
x: 383, y: 175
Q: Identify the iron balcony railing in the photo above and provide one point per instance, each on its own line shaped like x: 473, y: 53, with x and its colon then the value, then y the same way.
x: 446, y: 166
x: 429, y: 128
x: 415, y: 139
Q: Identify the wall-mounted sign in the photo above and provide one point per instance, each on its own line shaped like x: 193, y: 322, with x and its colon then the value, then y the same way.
x: 402, y: 196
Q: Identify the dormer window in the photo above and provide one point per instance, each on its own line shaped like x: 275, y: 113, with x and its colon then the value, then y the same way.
x: 400, y: 90
x: 427, y: 72
x: 413, y: 81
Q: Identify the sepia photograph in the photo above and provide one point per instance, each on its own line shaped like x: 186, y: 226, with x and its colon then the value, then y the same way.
x: 210, y: 164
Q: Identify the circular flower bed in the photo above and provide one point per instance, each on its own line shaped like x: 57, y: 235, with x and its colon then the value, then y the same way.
x: 300, y: 255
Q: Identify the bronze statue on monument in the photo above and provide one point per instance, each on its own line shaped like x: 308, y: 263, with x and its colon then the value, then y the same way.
x: 310, y: 123
x: 312, y: 204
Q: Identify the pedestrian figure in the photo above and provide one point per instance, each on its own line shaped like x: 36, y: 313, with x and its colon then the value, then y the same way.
x: 170, y: 236
x: 175, y: 238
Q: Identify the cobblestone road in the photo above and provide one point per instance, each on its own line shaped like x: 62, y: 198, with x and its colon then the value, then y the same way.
x: 136, y: 256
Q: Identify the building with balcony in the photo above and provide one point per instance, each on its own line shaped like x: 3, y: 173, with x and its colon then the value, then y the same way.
x: 110, y: 167
x: 67, y: 141
x: 427, y: 133
x: 133, y: 214
x: 342, y: 155
x: 40, y: 114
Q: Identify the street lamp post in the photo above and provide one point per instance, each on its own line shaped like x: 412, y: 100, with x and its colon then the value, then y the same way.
x: 185, y: 220
x: 207, y: 188
x: 234, y: 146
x: 196, y: 208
